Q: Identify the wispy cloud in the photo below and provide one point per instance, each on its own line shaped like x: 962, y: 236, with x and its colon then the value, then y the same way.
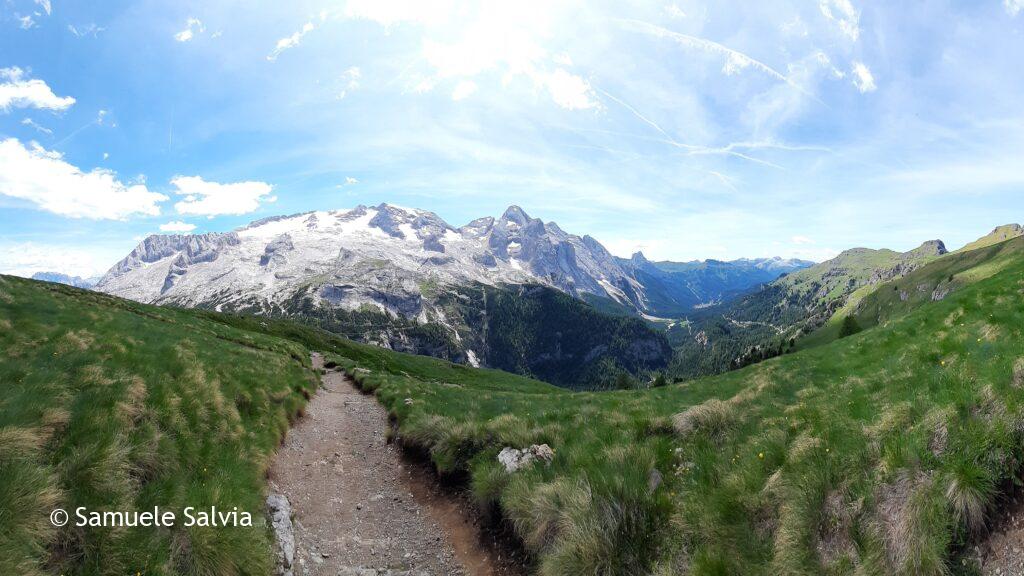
x: 292, y: 41
x: 350, y: 81
x: 193, y: 27
x: 734, y: 59
x: 843, y: 15
x: 464, y: 89
x: 863, y: 79
x: 81, y: 31
x: 1013, y: 7
x: 32, y: 123
x: 570, y: 91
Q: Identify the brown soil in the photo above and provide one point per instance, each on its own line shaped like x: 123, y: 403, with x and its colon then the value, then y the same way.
x: 360, y: 508
x: 1002, y: 551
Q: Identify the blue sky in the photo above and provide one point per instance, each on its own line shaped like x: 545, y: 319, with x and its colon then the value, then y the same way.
x: 686, y: 129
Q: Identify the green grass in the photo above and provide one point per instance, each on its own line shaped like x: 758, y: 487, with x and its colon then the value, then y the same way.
x: 117, y: 406
x: 880, y: 303
x: 876, y: 454
x: 880, y: 453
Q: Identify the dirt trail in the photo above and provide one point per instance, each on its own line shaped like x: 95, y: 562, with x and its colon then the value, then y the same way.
x: 357, y: 508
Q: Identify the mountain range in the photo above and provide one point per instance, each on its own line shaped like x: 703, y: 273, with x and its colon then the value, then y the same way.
x: 381, y: 256
x: 60, y: 278
x: 512, y: 292
x: 406, y: 279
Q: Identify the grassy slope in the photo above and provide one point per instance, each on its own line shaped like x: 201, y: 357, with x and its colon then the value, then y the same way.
x: 870, y: 455
x: 1000, y: 234
x: 118, y: 406
x: 877, y: 304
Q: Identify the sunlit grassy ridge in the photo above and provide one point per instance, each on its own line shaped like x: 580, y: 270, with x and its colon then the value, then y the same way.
x: 880, y: 303
x: 877, y: 454
x: 118, y: 406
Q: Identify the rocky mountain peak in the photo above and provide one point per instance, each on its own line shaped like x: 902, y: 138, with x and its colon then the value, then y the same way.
x: 516, y: 214
x: 929, y: 248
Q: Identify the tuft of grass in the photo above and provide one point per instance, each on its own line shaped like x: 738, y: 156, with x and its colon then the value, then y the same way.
x: 713, y: 417
x: 969, y: 491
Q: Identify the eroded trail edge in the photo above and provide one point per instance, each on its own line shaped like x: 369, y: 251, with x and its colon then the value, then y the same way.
x: 357, y: 508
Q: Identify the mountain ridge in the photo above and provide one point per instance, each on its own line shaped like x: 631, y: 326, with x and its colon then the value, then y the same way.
x: 513, y: 248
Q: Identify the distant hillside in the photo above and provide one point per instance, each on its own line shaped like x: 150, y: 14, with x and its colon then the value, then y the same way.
x: 763, y: 324
x: 532, y: 330
x: 930, y: 283
x: 675, y: 289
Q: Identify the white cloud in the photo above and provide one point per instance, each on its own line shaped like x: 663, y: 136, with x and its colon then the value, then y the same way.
x: 204, y: 198
x: 844, y: 15
x: 795, y: 27
x: 44, y: 178
x: 27, y: 258
x: 290, y: 41
x: 349, y: 181
x: 813, y: 254
x: 1013, y: 7
x: 350, y: 79
x: 45, y: 4
x: 801, y: 240
x: 506, y: 42
x: 177, y: 226
x: 464, y: 89
x: 674, y: 11
x: 30, y: 122
x: 17, y: 92
x: 26, y: 22
x: 863, y: 79
x: 90, y: 29
x: 193, y: 26
x: 735, y: 60
x: 106, y: 155
x: 570, y: 91
x: 390, y: 12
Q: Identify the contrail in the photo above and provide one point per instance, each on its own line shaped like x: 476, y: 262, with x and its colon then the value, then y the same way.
x: 715, y: 47
x: 693, y: 149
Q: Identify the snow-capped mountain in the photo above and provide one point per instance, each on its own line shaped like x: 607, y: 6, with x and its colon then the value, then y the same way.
x: 383, y: 256
x: 394, y: 258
